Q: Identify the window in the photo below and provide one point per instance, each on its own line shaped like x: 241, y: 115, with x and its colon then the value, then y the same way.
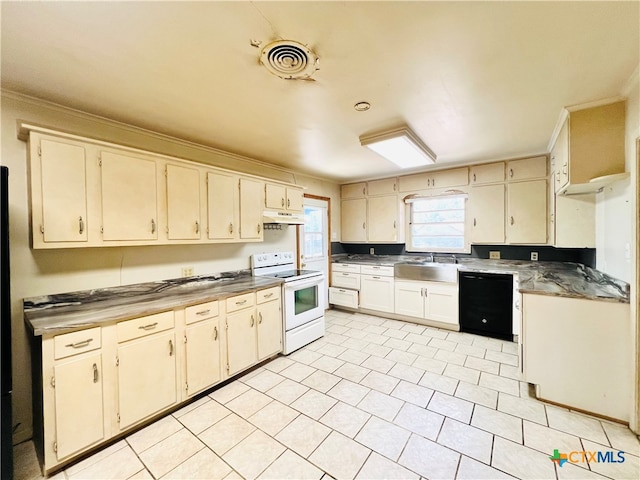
x: 436, y: 224
x: 313, y: 236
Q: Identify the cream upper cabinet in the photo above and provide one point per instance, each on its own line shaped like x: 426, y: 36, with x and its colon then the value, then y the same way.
x: 283, y: 198
x: 384, y: 219
x: 79, y: 404
x: 571, y: 219
x: 353, y: 220
x: 59, y: 199
x: 527, y: 169
x: 183, y: 203
x: 487, y: 213
x: 591, y: 145
x: 251, y: 208
x: 222, y: 206
x: 527, y: 212
x: 146, y: 367
x: 353, y: 190
x: 456, y: 177
x: 129, y: 197
x: 385, y: 186
x: 415, y: 182
x: 487, y: 173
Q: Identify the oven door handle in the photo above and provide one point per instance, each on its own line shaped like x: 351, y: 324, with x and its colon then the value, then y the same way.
x: 310, y: 282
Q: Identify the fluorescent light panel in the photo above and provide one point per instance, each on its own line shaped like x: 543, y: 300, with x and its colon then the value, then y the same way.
x: 400, y: 146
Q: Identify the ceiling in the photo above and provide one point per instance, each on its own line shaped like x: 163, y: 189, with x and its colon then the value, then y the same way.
x: 477, y: 81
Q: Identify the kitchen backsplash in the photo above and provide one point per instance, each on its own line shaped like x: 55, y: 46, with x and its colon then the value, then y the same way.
x: 586, y: 256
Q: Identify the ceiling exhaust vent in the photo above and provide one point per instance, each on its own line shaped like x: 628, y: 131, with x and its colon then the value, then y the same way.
x: 289, y: 60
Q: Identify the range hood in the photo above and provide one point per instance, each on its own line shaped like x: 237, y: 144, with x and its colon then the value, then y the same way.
x: 282, y: 217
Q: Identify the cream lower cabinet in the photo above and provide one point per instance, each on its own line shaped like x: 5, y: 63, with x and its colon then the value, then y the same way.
x: 146, y: 367
x: 376, y: 288
x: 202, y: 347
x: 269, y: 328
x: 429, y: 300
x: 576, y: 351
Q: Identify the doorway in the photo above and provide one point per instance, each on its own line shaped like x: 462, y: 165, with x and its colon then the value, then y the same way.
x: 313, y: 237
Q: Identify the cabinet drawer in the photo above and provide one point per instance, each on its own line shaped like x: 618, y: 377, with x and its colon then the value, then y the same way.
x: 377, y: 270
x: 268, y: 294
x: 343, y: 297
x: 491, y: 173
x: 346, y: 280
x: 241, y: 301
x: 345, y: 267
x: 139, y: 327
x: 76, y: 342
x: 201, y: 312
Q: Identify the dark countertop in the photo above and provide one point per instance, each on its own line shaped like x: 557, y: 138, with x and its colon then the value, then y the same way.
x: 564, y: 279
x: 88, y: 308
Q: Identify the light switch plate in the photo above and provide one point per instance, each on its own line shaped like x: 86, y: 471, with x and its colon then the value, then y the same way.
x: 494, y: 255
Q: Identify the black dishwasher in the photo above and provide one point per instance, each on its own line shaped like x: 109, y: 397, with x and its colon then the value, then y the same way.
x: 486, y: 304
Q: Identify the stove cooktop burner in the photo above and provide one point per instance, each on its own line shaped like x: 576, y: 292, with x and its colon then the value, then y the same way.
x: 295, y: 273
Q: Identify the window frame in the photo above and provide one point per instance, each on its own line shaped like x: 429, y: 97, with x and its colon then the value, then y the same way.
x: 411, y: 199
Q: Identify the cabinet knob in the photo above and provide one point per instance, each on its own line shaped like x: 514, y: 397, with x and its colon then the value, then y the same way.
x: 80, y: 225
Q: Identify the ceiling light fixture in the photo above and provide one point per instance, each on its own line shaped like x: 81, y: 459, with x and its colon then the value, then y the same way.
x: 400, y: 146
x: 362, y: 106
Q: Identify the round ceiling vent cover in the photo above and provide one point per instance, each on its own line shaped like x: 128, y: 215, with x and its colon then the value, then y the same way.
x: 289, y: 59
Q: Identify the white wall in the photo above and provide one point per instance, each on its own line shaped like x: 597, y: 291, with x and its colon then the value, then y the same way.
x: 39, y: 272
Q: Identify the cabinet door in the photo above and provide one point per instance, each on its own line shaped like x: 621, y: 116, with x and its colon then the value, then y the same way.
x: 129, y: 202
x: 295, y: 199
x: 353, y: 190
x: 441, y: 302
x: 269, y: 329
x: 376, y: 293
x: 241, y: 341
x: 527, y: 168
x: 560, y: 157
x: 527, y: 212
x: 456, y: 177
x: 222, y: 206
x: 574, y: 221
x: 409, y: 299
x: 386, y: 186
x: 490, y: 173
x: 146, y: 377
x: 353, y: 220
x: 251, y: 208
x: 275, y: 196
x: 384, y: 221
x: 202, y: 346
x: 64, y: 192
x: 78, y: 404
x: 486, y: 209
x: 183, y: 203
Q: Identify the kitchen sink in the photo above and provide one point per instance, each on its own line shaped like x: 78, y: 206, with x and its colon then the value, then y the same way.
x: 430, y: 271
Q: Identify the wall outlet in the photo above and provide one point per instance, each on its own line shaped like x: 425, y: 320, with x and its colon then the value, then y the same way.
x: 494, y: 255
x: 187, y: 271
x: 534, y: 256
x: 372, y: 251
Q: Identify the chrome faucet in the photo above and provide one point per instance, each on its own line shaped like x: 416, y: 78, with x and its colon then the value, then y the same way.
x: 430, y: 257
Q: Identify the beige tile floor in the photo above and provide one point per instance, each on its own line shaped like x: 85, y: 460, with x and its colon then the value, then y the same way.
x: 374, y: 398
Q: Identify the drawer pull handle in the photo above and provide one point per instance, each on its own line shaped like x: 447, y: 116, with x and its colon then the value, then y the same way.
x: 288, y: 203
x: 203, y: 312
x: 81, y: 344
x: 150, y: 326
x: 342, y: 291
x: 364, y: 225
x: 512, y: 220
x: 282, y: 202
x: 474, y: 222
x: 197, y: 227
x: 80, y: 226
x: 258, y: 228
x: 377, y: 278
x: 95, y: 373
x: 215, y: 333
x: 511, y: 173
x: 345, y: 274
x: 153, y: 226
x: 241, y: 302
x: 171, y: 348
x: 253, y: 321
x: 474, y: 177
x: 269, y: 295
x: 259, y: 318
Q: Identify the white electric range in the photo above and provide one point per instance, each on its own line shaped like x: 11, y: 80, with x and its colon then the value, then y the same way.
x: 303, y: 293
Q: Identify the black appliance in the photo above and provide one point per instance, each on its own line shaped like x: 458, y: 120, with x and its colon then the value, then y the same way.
x: 486, y: 304
x: 6, y: 452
